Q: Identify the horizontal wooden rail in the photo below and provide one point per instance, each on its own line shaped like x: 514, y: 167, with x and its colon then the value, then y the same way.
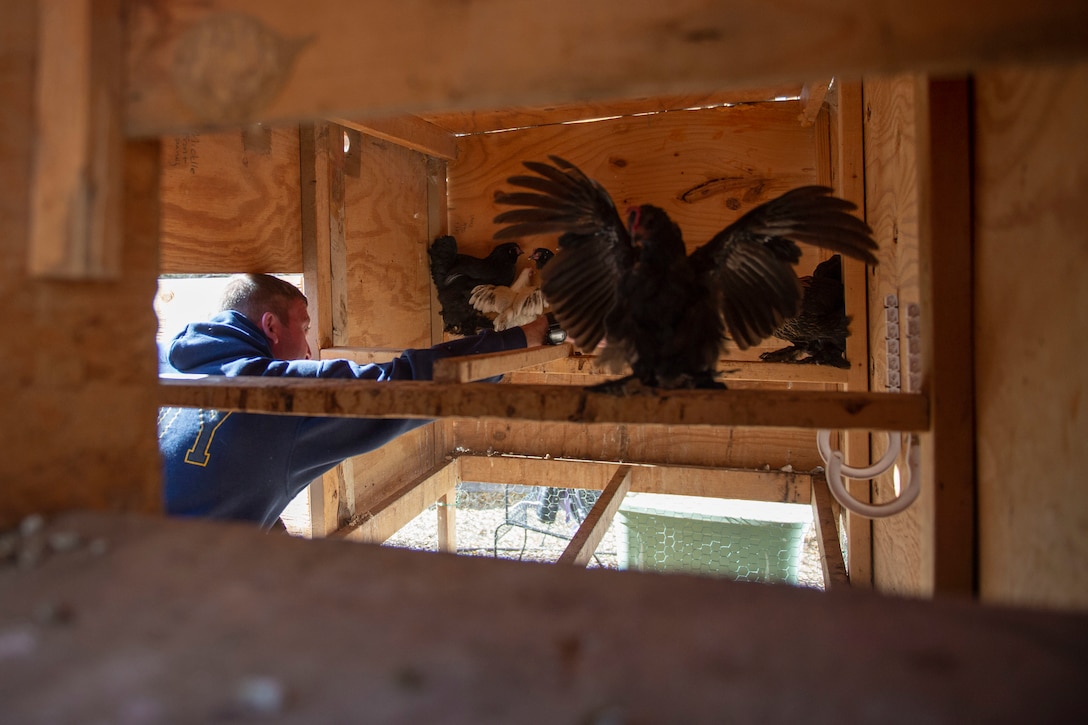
x: 747, y: 370
x: 414, y: 399
x: 477, y: 367
x: 228, y: 62
x: 535, y: 364
x: 743, y: 484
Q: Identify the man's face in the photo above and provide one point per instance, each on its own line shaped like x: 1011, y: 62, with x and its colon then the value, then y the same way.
x: 288, y: 339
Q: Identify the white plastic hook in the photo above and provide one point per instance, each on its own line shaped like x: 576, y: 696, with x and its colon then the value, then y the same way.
x: 836, y: 468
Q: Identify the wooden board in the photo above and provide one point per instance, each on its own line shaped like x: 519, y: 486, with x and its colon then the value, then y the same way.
x: 426, y: 399
x: 418, y: 637
x: 77, y: 193
x: 213, y: 62
x: 486, y: 121
x: 891, y: 181
x: 231, y: 202
x: 384, y: 518
x: 945, y: 335
x: 1031, y: 263
x: 590, y: 532
x: 747, y: 485
x: 477, y: 367
x: 836, y: 575
x: 735, y: 446
x: 387, y: 279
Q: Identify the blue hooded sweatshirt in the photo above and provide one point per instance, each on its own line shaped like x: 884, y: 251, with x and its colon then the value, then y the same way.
x: 248, y: 466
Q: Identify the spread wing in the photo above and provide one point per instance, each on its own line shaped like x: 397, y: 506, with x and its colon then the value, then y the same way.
x: 750, y: 263
x: 582, y: 283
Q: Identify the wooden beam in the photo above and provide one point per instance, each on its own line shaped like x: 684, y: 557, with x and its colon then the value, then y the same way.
x: 409, y: 131
x: 211, y: 62
x: 477, y: 367
x: 425, y: 399
x: 946, y: 334
x: 76, y: 194
x: 417, y: 638
x: 484, y: 121
x: 774, y: 486
x: 592, y: 530
x: 846, y: 136
x: 741, y: 370
x: 390, y: 515
x: 827, y: 535
x: 361, y: 355
x: 813, y: 94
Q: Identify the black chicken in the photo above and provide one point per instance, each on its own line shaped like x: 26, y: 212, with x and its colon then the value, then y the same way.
x: 821, y: 329
x: 455, y: 275
x: 660, y: 310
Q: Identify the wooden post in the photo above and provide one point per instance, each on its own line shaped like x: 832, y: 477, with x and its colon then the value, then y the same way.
x: 945, y: 271
x: 76, y: 197
x: 849, y: 182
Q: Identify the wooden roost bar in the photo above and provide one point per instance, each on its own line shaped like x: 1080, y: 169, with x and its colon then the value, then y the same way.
x: 334, y: 140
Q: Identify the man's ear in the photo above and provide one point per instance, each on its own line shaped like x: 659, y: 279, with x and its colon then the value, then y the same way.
x: 270, y: 326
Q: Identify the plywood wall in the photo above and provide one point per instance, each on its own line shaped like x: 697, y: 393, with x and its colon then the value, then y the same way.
x: 231, y: 202
x: 1031, y: 264
x: 387, y: 279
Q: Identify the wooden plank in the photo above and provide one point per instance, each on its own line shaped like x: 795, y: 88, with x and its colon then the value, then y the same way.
x: 846, y: 134
x: 361, y: 355
x: 316, y: 224
x: 331, y: 496
x: 447, y: 521
x: 231, y: 202
x: 76, y: 192
x: 891, y: 181
x: 827, y: 535
x: 362, y: 626
x: 208, y: 62
x: 338, y: 284
x: 467, y: 368
x: 579, y: 366
x: 945, y: 223
x: 1031, y: 176
x: 747, y: 485
x: 425, y: 399
x: 412, y: 132
x: 437, y: 225
x: 485, y: 121
x: 378, y: 522
x: 386, y: 277
x: 812, y: 98
x: 728, y: 447
x: 589, y: 534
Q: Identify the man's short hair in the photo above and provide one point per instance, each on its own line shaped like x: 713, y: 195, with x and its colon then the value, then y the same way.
x: 255, y: 294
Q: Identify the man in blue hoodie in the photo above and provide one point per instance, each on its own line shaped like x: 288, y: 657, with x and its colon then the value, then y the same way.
x: 247, y: 466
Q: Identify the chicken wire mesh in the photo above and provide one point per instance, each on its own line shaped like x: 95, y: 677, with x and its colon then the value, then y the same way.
x: 712, y: 537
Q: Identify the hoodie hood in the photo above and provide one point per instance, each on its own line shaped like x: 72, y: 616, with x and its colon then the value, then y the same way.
x: 218, y: 346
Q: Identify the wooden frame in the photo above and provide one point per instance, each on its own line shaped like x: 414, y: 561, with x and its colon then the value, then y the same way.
x: 227, y: 583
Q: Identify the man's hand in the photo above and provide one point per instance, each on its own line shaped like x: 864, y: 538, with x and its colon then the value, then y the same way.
x: 535, y: 331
